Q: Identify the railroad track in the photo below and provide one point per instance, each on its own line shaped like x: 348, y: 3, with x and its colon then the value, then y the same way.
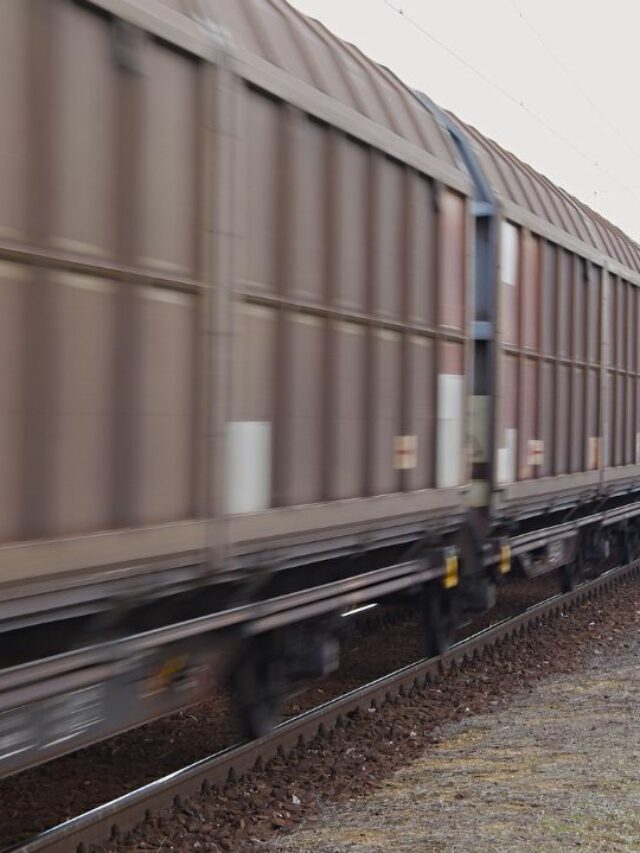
x: 115, y: 818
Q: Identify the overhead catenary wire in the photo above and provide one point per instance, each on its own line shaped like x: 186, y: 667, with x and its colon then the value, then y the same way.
x: 587, y: 97
x: 519, y: 102
x: 576, y: 82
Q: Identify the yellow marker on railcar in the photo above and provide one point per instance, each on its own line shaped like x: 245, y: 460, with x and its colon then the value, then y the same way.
x: 505, y: 559
x: 450, y: 578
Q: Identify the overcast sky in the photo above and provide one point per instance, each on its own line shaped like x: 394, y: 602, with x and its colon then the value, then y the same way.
x: 574, y: 66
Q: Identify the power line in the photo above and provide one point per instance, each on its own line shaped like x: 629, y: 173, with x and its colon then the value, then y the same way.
x: 619, y: 189
x: 574, y: 80
x: 509, y: 96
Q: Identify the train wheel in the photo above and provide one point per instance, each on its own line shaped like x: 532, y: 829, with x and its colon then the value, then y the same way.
x: 258, y: 685
x: 440, y: 613
x: 568, y: 577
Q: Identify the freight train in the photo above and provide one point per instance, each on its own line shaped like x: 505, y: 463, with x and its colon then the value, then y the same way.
x: 280, y: 339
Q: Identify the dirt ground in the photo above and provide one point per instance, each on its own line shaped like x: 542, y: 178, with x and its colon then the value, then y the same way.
x: 556, y: 770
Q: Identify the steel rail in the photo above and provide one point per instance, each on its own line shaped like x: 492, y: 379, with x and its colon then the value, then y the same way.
x: 125, y: 813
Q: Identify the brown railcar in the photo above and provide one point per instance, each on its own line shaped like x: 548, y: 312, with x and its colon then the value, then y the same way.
x: 234, y: 296
x: 158, y: 191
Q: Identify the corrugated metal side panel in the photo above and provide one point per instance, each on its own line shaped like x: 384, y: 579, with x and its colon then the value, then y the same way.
x: 612, y: 450
x: 14, y: 133
x: 254, y: 336
x: 564, y: 284
x: 545, y: 417
x: 385, y: 410
x: 84, y: 171
x: 629, y: 426
x: 388, y: 241
x: 421, y: 417
x: 97, y: 406
x: 360, y: 265
x: 547, y: 298
x: 308, y: 200
x: 594, y: 315
x: 85, y: 317
x: 451, y: 294
x: 561, y: 419
x: 351, y: 188
x: 303, y: 458
x: 527, y: 420
x: 577, y: 421
x: 531, y: 303
x: 506, y: 457
x: 349, y: 372
x: 421, y: 252
x: 509, y: 267
x: 258, y: 250
x: 550, y: 360
x: 592, y: 420
x: 162, y: 425
x: 623, y: 445
x: 579, y: 305
x: 12, y: 325
x: 168, y: 176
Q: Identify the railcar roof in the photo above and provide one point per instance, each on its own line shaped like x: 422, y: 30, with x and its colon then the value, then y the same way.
x: 515, y: 181
x: 278, y: 33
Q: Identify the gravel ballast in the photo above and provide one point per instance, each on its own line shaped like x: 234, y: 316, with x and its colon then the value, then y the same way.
x: 559, y: 769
